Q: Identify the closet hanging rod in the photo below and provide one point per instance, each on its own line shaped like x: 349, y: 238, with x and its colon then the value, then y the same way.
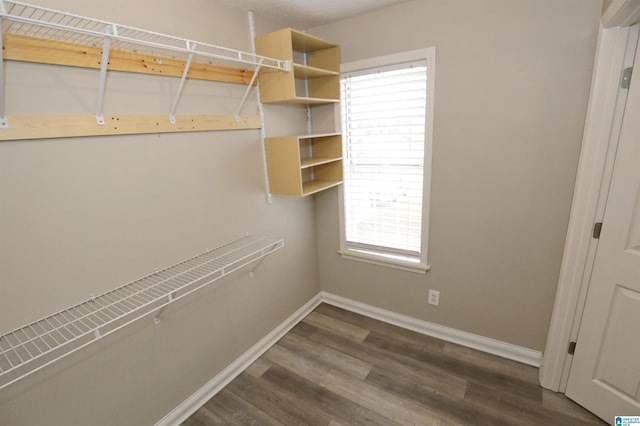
x: 40, y: 22
x: 34, y: 346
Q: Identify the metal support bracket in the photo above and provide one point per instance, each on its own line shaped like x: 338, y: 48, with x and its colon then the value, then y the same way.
x: 172, y: 114
x: 109, y: 30
x: 156, y: 319
x: 265, y: 253
x: 249, y: 87
x: 3, y: 118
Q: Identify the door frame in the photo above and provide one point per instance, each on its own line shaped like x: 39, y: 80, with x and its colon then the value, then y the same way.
x: 615, y: 51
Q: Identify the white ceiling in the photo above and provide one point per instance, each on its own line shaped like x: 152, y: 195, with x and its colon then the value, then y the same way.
x: 303, y: 14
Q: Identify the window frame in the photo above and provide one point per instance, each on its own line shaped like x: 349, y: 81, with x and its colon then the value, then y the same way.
x: 386, y: 256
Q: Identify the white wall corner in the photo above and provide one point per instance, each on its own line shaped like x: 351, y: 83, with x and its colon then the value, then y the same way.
x: 215, y: 385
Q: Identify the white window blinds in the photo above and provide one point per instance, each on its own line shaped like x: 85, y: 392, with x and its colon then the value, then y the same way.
x: 383, y: 119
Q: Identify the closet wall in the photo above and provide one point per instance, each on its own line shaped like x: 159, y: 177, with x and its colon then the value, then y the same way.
x: 82, y: 216
x: 512, y: 82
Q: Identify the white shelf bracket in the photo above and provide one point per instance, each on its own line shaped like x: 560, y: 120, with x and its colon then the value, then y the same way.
x: 265, y: 252
x: 172, y: 115
x: 170, y: 297
x: 4, y: 123
x: 106, y: 46
x: 249, y: 87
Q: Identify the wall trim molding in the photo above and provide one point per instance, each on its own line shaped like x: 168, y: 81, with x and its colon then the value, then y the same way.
x: 215, y: 385
x: 485, y: 344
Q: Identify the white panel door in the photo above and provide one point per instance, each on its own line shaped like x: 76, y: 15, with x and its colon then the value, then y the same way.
x: 605, y: 373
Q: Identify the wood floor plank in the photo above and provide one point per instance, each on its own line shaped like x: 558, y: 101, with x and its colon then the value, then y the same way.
x: 326, y: 356
x: 521, y: 410
x: 195, y: 420
x: 489, y: 407
x: 303, y: 329
x: 492, y: 362
x: 307, y: 368
x: 343, y: 410
x: 428, y: 375
x: 275, y: 403
x: 350, y: 331
x: 241, y: 410
x: 559, y: 403
x: 462, y: 369
x: 381, y: 327
x: 258, y: 367
x: 216, y: 412
x: 338, y: 368
x: 454, y: 409
x: 387, y: 405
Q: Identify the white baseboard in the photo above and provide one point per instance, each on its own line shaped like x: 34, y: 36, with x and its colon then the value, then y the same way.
x: 485, y: 344
x: 215, y: 385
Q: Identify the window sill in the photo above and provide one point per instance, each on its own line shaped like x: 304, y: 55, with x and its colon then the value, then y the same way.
x: 384, y: 260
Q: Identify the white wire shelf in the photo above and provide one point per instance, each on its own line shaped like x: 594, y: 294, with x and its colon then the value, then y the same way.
x: 34, y: 346
x: 35, y: 21
x: 40, y: 23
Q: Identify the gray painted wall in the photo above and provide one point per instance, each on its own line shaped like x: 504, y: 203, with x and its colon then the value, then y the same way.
x: 512, y: 82
x: 86, y: 215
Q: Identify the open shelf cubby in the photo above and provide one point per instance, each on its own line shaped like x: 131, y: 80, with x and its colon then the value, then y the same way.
x: 315, y: 72
x: 303, y: 165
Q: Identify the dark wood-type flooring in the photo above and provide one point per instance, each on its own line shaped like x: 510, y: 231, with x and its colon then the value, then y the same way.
x: 340, y: 368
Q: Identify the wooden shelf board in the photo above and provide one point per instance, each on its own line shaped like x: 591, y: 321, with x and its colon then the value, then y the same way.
x: 314, y: 186
x: 307, y: 72
x: 303, y: 42
x: 310, y: 162
x: 303, y: 101
x: 65, y: 126
x: 318, y: 135
x: 39, y: 50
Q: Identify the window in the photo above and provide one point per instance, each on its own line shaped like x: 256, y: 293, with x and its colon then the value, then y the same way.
x: 387, y: 121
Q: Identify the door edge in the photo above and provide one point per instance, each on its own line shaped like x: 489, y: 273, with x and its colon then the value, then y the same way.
x: 616, y: 49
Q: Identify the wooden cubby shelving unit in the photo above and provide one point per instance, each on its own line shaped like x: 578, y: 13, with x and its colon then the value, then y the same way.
x: 304, y: 164
x: 315, y: 64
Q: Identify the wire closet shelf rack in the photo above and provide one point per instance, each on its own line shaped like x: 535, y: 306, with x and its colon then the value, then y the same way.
x: 23, y: 19
x: 36, y: 345
x: 35, y: 21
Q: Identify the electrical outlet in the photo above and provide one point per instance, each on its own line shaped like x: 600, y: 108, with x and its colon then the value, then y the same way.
x: 434, y: 297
